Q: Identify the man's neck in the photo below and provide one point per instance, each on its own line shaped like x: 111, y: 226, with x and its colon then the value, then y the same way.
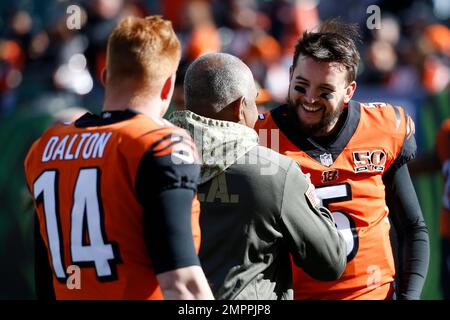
x: 333, y: 128
x: 332, y: 135
x: 147, y: 106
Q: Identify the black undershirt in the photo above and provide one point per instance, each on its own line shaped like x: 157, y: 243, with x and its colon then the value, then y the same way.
x: 413, y: 251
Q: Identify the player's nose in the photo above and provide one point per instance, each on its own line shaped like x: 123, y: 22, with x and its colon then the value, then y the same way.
x: 309, y: 97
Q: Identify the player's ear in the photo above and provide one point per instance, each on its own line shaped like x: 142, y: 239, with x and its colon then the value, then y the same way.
x: 349, y: 91
x: 103, y: 77
x: 239, y: 109
x: 167, y: 89
x: 291, y: 71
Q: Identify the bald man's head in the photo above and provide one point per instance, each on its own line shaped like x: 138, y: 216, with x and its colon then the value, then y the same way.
x: 215, y: 81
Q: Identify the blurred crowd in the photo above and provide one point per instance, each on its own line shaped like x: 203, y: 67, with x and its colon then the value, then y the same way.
x: 45, y: 64
x: 49, y: 68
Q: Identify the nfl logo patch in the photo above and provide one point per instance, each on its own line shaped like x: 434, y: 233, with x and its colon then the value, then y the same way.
x: 326, y: 159
x: 261, y: 116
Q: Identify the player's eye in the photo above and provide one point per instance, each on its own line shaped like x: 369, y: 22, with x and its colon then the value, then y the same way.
x: 326, y: 95
x: 300, y: 89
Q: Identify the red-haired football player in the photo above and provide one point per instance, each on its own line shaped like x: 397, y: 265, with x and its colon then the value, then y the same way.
x: 115, y: 193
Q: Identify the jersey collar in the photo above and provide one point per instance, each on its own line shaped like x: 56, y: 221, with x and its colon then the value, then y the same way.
x: 105, y: 118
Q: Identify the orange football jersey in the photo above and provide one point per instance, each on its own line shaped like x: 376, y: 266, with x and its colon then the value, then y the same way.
x: 83, y: 180
x: 443, y: 151
x: 348, y: 180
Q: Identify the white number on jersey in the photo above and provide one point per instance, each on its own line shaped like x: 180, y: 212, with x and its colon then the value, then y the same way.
x: 85, y: 206
x: 344, y: 223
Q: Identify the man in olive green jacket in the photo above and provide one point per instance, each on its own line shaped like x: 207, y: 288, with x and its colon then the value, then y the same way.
x: 257, y: 207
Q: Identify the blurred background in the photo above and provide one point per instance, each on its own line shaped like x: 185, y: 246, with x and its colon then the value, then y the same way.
x: 50, y: 71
